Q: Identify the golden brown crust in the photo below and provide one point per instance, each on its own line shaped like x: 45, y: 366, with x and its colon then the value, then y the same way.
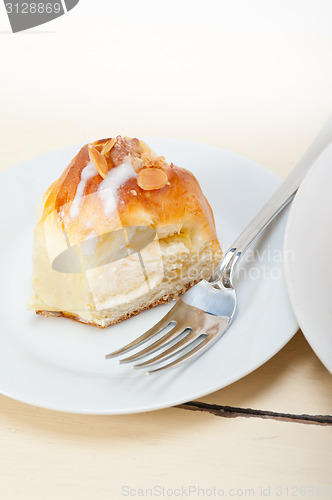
x: 179, y: 202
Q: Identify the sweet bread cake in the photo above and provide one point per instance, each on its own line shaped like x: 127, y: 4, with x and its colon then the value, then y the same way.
x: 120, y: 231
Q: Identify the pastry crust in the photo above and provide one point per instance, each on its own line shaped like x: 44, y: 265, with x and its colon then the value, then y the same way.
x: 73, y: 317
x: 84, y: 204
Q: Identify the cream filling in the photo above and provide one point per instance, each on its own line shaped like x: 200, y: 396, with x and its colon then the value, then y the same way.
x: 107, y: 293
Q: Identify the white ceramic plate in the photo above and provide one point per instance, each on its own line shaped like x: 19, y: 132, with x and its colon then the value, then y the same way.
x: 308, y: 244
x: 59, y: 364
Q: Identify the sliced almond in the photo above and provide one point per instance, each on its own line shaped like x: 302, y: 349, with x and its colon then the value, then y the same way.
x: 137, y: 163
x: 151, y: 178
x: 152, y: 160
x: 160, y: 161
x: 149, y: 160
x: 108, y: 146
x: 100, y: 142
x: 99, y: 160
x: 145, y: 147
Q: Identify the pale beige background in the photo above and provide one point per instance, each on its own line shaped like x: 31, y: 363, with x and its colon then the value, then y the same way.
x: 253, y: 77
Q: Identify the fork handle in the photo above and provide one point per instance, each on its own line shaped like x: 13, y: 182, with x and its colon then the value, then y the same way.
x: 277, y: 202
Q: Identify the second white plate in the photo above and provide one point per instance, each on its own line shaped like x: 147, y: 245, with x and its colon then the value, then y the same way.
x: 308, y: 243
x: 59, y: 364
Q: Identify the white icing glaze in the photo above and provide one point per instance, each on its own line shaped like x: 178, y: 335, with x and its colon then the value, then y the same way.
x: 115, y: 178
x: 107, y: 189
x: 87, y: 173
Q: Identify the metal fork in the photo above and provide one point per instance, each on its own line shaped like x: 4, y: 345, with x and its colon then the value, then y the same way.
x: 204, y: 312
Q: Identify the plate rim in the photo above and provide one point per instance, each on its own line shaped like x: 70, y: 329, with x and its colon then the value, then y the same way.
x: 289, y: 264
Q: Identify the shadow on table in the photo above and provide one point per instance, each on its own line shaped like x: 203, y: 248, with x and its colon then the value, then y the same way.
x: 293, y: 381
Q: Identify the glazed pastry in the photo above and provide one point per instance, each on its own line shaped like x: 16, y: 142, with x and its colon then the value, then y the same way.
x: 120, y: 231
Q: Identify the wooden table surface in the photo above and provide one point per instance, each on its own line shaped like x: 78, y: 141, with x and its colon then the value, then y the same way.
x: 269, y: 434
